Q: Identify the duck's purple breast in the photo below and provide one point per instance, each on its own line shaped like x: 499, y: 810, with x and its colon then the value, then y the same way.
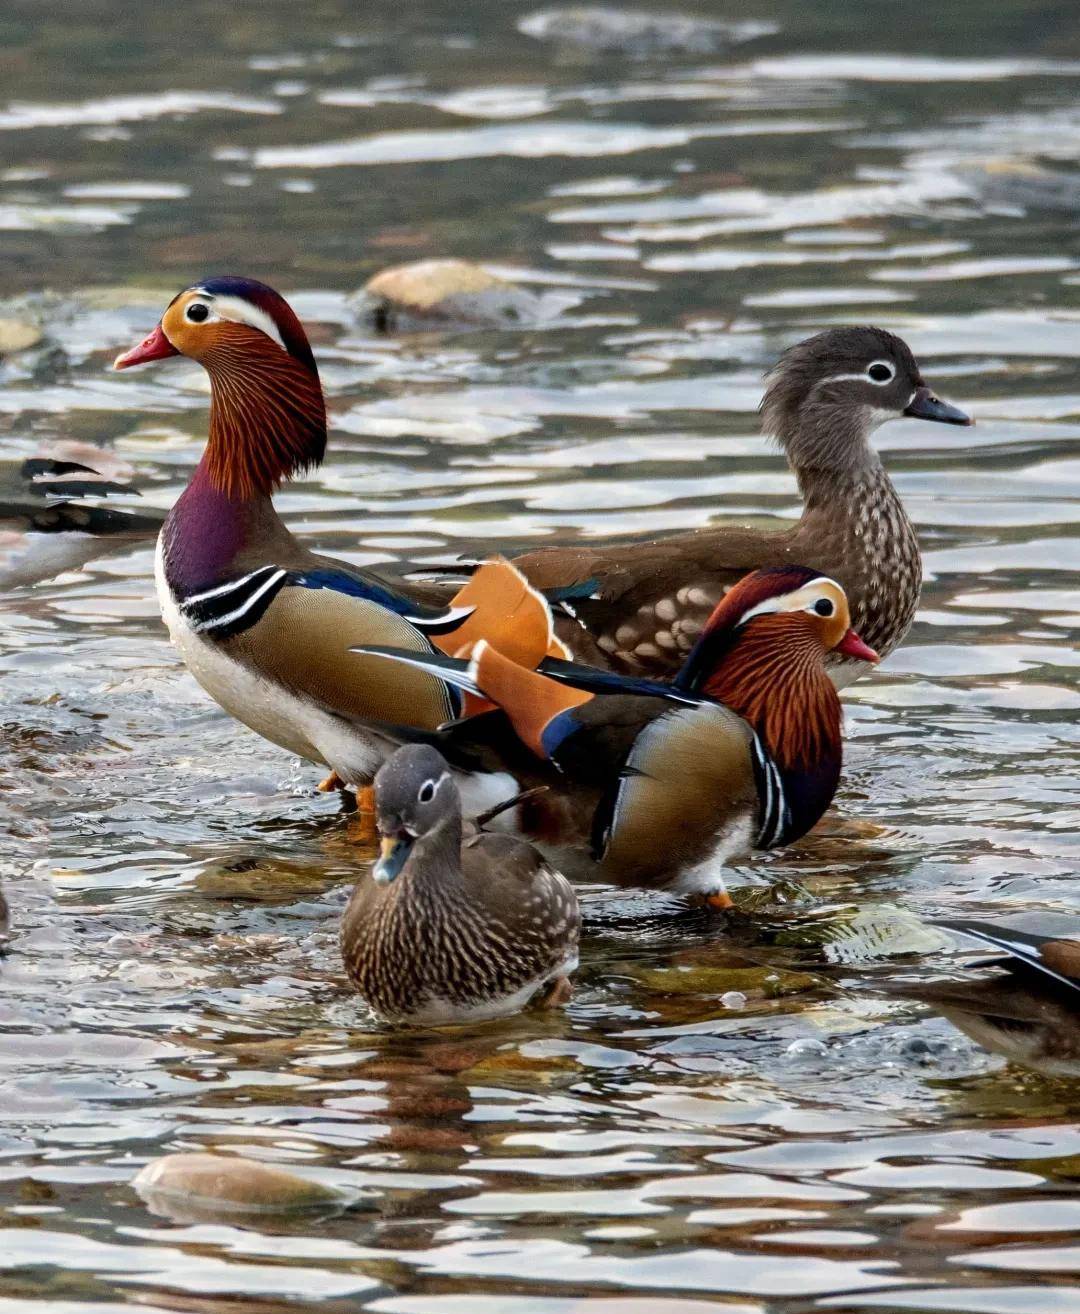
x: 202, y: 535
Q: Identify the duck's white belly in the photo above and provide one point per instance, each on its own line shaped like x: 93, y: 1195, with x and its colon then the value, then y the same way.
x: 294, y: 723
x: 707, y: 877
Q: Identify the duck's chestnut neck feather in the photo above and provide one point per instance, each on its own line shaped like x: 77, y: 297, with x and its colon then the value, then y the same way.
x: 267, y: 414
x: 774, y: 677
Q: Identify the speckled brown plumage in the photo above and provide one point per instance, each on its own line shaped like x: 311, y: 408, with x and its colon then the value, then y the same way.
x: 469, y: 928
x: 651, y: 599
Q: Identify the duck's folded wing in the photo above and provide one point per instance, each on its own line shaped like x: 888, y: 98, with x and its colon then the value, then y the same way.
x: 1054, y: 958
x: 296, y: 628
x: 524, y: 892
x: 642, y: 605
x: 687, y: 791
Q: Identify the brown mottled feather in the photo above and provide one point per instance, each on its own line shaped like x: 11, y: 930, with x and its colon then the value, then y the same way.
x: 466, y: 923
x: 654, y: 597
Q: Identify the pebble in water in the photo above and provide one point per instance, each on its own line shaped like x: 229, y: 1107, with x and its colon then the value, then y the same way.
x: 609, y: 30
x: 209, y: 1183
x: 450, y: 292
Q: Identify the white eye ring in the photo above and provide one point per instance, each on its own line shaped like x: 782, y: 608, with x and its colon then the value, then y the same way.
x: 426, y: 792
x: 885, y: 372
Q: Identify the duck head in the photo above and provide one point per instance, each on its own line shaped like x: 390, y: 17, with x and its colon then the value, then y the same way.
x: 762, y: 653
x: 825, y: 396
x: 267, y: 413
x: 415, y: 796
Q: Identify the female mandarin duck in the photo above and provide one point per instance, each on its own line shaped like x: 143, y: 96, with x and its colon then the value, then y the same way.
x: 639, y: 607
x: 263, y: 624
x: 668, y: 782
x: 451, y: 928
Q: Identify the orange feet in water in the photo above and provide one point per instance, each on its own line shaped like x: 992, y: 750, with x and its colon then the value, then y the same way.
x: 719, y: 902
x: 558, y: 993
x: 362, y: 827
x: 333, y: 781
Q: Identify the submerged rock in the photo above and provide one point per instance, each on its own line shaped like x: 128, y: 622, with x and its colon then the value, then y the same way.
x: 204, y: 1185
x: 18, y: 335
x: 864, y: 934
x: 601, y: 29
x: 428, y: 292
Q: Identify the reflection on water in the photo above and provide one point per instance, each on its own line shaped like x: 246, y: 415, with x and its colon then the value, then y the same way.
x: 718, y: 1122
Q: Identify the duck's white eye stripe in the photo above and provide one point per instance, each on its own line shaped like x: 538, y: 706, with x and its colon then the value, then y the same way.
x: 240, y: 311
x: 782, y: 602
x: 882, y: 373
x: 430, y: 788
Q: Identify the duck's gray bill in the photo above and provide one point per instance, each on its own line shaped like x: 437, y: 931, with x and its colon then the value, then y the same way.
x: 393, y: 854
x: 925, y: 406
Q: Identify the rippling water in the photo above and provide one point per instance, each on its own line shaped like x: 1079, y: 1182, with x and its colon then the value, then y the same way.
x: 738, y: 1123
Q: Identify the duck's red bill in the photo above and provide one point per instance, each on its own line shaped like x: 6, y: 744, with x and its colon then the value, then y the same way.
x: 155, y: 346
x: 852, y: 646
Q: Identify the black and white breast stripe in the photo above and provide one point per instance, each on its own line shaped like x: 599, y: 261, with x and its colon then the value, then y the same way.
x: 775, y: 813
x: 224, y: 611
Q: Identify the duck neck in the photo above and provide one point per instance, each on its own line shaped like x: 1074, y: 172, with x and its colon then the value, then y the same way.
x: 267, y: 421
x: 827, y: 446
x: 432, y: 873
x: 782, y: 690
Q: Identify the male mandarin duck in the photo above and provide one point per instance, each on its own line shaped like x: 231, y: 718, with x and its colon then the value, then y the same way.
x: 262, y: 623
x: 450, y: 927
x: 666, y: 783
x: 1027, y: 1007
x: 639, y: 607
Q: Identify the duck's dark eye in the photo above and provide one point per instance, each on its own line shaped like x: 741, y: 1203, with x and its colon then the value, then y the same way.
x: 879, y: 372
x: 426, y: 792
x: 197, y: 312
x: 824, y: 607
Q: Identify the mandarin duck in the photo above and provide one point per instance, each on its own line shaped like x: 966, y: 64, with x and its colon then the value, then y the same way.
x: 50, y: 519
x: 665, y: 783
x: 1027, y: 1008
x: 449, y: 927
x: 263, y: 623
x: 639, y: 607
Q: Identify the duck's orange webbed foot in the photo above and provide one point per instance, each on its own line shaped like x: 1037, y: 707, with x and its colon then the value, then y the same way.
x: 332, y: 782
x: 719, y: 902
x: 558, y: 993
x: 362, y: 827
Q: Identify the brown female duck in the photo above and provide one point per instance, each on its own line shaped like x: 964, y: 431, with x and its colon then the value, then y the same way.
x: 449, y: 928
x: 639, y: 607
